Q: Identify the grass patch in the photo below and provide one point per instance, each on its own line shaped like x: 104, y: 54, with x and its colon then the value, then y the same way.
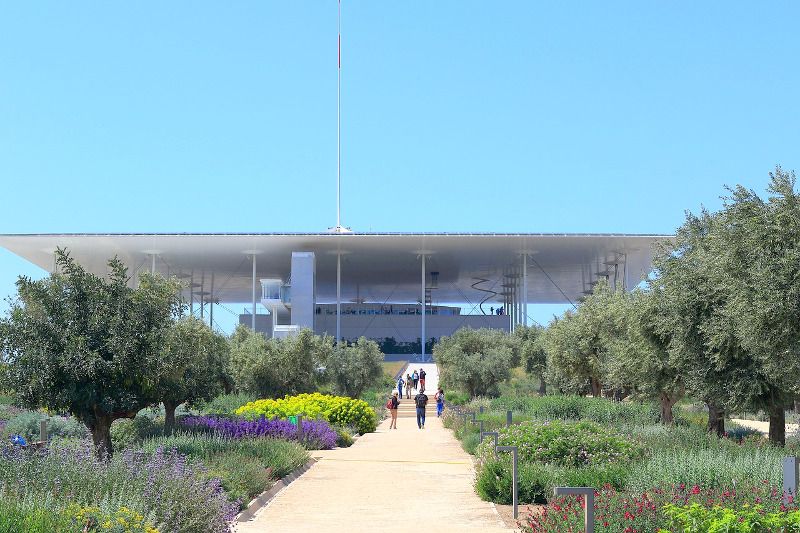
x: 391, y: 368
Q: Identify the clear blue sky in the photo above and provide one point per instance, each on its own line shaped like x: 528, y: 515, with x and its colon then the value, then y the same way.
x: 480, y: 116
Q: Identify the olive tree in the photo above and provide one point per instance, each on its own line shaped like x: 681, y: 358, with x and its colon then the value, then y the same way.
x: 640, y: 360
x: 194, y: 365
x: 475, y: 360
x: 533, y: 355
x: 276, y: 367
x: 355, y: 367
x: 755, y: 253
x: 87, y: 344
x: 578, y: 344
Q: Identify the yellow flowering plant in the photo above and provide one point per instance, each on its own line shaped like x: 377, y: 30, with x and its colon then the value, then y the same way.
x: 337, y: 410
x: 123, y: 520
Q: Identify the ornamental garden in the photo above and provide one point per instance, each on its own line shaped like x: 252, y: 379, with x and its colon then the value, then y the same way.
x: 633, y: 393
x: 158, y: 424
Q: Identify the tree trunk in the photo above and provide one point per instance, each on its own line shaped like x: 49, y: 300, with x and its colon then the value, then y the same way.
x: 777, y: 425
x: 169, y: 416
x: 667, y: 402
x: 716, y: 419
x: 101, y: 435
x: 542, y: 385
x: 597, y: 389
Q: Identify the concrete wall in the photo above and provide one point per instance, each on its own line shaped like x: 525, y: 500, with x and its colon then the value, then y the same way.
x: 405, y: 328
x: 263, y: 323
x: 303, y: 289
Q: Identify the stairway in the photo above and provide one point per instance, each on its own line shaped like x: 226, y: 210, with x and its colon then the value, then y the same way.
x: 407, y: 408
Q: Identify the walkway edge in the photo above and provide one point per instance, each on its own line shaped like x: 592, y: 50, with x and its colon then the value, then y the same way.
x: 265, y: 497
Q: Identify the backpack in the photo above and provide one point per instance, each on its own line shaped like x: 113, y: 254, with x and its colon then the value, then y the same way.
x: 421, y: 400
x: 389, y: 404
x: 422, y: 374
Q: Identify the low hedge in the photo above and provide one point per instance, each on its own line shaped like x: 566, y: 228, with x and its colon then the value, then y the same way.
x: 338, y: 410
x: 568, y: 444
x: 601, y: 410
x: 574, y: 454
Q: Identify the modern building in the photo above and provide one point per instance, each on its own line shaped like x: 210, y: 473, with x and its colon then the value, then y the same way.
x: 396, y: 288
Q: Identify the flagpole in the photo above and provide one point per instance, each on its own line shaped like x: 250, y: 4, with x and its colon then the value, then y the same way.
x: 339, y: 126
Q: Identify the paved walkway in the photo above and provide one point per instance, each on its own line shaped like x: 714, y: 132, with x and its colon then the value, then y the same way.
x: 391, y: 480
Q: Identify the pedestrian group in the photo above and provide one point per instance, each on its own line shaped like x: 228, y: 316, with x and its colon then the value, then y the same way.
x: 417, y: 381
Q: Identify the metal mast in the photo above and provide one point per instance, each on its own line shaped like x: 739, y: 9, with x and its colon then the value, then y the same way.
x: 339, y: 125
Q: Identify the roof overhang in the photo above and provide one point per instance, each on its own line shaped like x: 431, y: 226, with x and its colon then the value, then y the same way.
x: 375, y: 266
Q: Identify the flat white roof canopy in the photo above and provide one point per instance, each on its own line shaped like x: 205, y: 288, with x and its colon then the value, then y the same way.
x: 376, y: 267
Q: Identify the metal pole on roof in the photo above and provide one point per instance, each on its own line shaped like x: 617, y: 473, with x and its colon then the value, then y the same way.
x: 254, y: 293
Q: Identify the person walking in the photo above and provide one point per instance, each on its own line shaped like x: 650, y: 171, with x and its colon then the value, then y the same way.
x: 439, y: 397
x: 400, y: 384
x: 421, y: 400
x: 409, y: 384
x: 415, y: 377
x: 392, y: 405
x: 422, y: 374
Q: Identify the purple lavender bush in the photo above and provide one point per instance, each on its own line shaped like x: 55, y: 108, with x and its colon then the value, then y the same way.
x: 170, y: 492
x: 315, y: 434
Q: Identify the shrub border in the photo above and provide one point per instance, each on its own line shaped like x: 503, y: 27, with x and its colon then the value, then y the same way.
x: 265, y: 497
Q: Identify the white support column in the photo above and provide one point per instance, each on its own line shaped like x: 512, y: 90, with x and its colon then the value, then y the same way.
x: 422, y: 302
x: 525, y: 288
x: 152, y: 263
x: 202, y: 295
x: 191, y: 294
x: 211, y: 308
x: 254, y: 293
x: 338, y: 297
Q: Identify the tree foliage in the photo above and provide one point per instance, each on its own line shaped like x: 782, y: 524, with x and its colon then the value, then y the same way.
x: 92, y: 346
x: 272, y: 368
x: 533, y: 355
x: 579, y: 343
x: 475, y: 360
x: 353, y: 368
x: 194, y: 365
x: 718, y: 319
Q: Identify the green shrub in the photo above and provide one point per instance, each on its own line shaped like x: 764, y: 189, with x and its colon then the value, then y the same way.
x: 280, y: 456
x: 33, y: 515
x: 494, y: 481
x: 457, y: 397
x: 470, y: 442
x: 344, y: 437
x: 709, y: 467
x: 243, y: 476
x: 126, y: 432
x: 696, y: 518
x: 376, y: 398
x: 601, y: 410
x: 574, y: 444
x: 26, y: 424
x: 225, y: 404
